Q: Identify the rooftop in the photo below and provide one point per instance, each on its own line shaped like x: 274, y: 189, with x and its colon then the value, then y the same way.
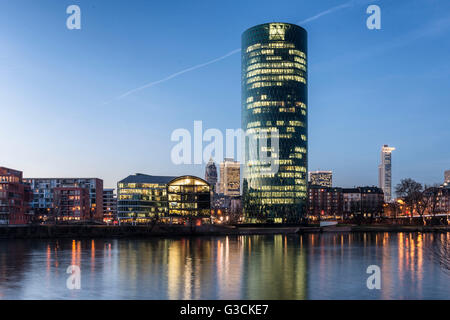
x: 145, y: 178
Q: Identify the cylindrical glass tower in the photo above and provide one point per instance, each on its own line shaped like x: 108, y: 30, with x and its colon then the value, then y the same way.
x: 274, y: 102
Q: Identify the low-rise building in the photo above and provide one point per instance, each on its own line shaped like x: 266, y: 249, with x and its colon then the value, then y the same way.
x: 142, y: 198
x: 325, y: 202
x: 189, y: 198
x: 43, y: 189
x: 71, y: 204
x: 363, y: 202
x: 109, y: 206
x: 15, y: 196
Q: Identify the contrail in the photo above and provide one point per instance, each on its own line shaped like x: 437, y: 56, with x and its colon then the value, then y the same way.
x: 176, y: 74
x: 339, y: 7
x: 151, y: 84
x: 331, y: 10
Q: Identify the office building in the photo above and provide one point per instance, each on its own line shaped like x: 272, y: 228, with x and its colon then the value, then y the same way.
x: 447, y: 177
x: 43, y: 195
x: 321, y: 178
x: 142, y: 198
x: 274, y: 106
x: 211, y: 174
x: 385, y: 172
x: 146, y: 199
x: 230, y: 177
x: 15, y: 196
x: 189, y: 200
x: 109, y: 206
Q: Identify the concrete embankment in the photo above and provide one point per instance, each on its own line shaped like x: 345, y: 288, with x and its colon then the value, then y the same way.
x: 92, y: 231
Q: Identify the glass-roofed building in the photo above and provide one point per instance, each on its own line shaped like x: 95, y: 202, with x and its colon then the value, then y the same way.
x: 189, y: 198
x: 144, y: 198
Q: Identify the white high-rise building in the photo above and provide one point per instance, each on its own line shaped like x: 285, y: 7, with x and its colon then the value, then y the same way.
x: 230, y: 177
x: 385, y: 172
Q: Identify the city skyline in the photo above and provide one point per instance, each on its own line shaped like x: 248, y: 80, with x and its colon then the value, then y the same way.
x: 67, y: 119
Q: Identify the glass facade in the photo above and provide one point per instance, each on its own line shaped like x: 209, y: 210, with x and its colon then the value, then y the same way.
x: 142, y: 198
x: 189, y: 197
x: 274, y: 102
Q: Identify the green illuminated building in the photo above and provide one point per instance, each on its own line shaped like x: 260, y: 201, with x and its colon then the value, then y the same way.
x: 274, y: 102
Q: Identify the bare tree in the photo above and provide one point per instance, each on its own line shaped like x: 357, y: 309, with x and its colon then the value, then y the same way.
x: 432, y: 194
x: 411, y: 193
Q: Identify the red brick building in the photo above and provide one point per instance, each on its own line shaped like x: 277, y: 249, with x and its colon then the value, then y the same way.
x: 15, y: 197
x: 71, y: 203
x: 325, y: 201
x: 43, y: 202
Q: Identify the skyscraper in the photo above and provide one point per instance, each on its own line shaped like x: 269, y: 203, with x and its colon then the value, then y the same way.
x: 274, y: 102
x: 321, y: 178
x: 447, y: 177
x: 385, y: 172
x: 230, y: 177
x: 211, y: 173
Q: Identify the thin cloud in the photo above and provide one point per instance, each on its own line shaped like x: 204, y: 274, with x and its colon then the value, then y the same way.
x: 176, y: 74
x: 323, y: 13
x: 201, y: 65
x: 336, y: 8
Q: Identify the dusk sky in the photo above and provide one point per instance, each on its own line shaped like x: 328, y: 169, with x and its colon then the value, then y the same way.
x: 66, y: 112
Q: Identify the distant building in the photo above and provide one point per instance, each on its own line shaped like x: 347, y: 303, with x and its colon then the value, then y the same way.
x: 325, y: 201
x: 447, y: 177
x: 15, y: 196
x: 385, y: 172
x: 236, y: 206
x: 211, y: 173
x: 71, y: 204
x: 43, y: 194
x: 109, y: 206
x: 363, y: 201
x: 221, y: 203
x: 321, y: 178
x: 230, y: 177
x: 144, y: 198
x: 226, y: 208
x: 444, y: 200
x: 438, y: 199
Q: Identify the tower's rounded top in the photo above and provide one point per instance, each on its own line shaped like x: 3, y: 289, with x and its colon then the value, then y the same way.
x: 267, y: 24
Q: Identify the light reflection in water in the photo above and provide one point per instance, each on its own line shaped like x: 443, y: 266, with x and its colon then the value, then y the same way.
x: 312, y: 266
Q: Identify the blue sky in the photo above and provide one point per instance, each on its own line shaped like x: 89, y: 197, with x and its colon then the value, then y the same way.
x: 60, y: 115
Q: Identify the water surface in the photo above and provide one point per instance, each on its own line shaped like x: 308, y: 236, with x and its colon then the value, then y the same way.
x: 313, y: 266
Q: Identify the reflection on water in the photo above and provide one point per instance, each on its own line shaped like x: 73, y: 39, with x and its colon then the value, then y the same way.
x: 313, y: 266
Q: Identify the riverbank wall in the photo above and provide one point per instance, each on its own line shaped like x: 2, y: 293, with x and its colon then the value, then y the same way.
x: 95, y: 231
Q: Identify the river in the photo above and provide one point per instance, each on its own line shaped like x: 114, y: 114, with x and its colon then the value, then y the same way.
x: 310, y: 266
